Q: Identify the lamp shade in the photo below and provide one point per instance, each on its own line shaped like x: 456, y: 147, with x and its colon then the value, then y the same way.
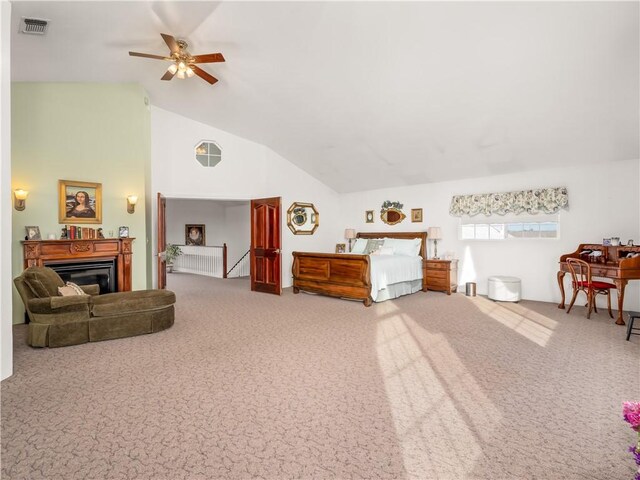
x: 349, y: 233
x: 21, y: 194
x: 434, y: 233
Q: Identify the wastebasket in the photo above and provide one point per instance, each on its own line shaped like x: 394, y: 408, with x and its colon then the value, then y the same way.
x: 470, y: 289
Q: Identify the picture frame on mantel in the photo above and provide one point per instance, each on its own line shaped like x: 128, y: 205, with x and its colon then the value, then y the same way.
x: 79, y: 202
x: 33, y: 233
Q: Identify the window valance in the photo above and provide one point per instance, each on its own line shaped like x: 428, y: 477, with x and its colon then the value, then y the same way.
x: 546, y: 200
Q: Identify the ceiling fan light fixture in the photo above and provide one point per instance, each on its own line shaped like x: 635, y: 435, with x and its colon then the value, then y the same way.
x: 183, y: 64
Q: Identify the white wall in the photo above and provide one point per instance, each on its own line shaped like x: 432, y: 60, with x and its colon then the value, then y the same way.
x: 603, y: 202
x: 225, y: 222
x: 181, y: 212
x: 247, y: 171
x: 6, y: 198
x: 237, y: 231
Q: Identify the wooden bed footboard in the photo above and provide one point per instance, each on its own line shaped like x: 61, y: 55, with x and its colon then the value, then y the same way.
x: 336, y: 275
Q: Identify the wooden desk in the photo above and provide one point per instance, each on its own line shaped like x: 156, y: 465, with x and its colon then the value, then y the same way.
x: 612, y: 264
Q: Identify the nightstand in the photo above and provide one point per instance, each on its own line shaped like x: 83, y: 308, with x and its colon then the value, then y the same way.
x: 440, y: 275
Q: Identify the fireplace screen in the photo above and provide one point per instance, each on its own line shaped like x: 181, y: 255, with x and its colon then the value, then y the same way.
x: 102, y: 273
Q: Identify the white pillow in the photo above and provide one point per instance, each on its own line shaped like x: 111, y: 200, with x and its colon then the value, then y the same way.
x: 373, y: 244
x: 71, y: 289
x: 383, y: 251
x: 359, y: 246
x: 406, y: 247
x: 77, y: 288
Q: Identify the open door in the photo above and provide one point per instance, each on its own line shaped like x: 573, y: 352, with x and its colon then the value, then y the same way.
x: 162, y: 241
x: 265, y: 246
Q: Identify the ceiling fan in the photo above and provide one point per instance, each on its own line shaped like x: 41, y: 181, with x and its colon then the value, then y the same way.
x: 184, y: 64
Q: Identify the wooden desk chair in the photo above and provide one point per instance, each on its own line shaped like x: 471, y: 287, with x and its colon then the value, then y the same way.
x: 582, y: 282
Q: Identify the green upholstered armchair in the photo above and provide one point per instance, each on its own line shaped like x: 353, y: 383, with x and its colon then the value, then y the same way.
x: 57, y: 320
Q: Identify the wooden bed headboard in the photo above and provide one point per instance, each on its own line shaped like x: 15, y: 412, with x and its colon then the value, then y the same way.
x: 404, y: 235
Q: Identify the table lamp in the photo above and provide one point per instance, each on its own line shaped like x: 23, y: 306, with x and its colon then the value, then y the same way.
x: 435, y: 234
x: 349, y: 234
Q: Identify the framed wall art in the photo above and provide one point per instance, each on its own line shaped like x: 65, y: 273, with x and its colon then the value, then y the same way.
x: 194, y: 235
x: 368, y: 216
x: 416, y: 215
x: 79, y: 202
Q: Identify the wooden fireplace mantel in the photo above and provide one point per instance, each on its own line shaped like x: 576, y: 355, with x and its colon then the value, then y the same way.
x: 41, y: 252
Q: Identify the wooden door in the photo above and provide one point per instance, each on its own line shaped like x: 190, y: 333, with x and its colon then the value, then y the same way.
x: 162, y: 241
x: 265, y: 246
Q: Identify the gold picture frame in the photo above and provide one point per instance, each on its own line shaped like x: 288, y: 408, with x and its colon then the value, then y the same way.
x: 341, y: 247
x: 416, y: 215
x: 79, y: 202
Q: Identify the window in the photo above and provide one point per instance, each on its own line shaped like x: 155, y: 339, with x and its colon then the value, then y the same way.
x: 509, y: 227
x: 208, y: 153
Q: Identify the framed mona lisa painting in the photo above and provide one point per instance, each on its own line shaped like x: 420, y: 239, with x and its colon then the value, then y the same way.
x: 79, y: 202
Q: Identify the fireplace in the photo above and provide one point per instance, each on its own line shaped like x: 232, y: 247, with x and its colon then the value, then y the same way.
x: 105, y: 261
x: 102, y: 273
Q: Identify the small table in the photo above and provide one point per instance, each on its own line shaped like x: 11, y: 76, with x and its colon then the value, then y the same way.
x: 440, y: 275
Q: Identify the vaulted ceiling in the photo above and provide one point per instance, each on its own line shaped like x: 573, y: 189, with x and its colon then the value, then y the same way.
x: 364, y: 95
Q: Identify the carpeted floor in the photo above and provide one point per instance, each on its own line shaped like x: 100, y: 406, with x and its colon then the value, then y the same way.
x: 249, y: 385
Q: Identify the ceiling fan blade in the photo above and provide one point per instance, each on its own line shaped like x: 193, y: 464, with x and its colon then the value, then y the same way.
x: 168, y: 75
x: 204, y: 75
x: 148, y: 55
x: 171, y: 43
x: 208, y: 58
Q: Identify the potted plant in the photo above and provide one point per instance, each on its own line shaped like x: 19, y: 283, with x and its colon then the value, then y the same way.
x: 171, y: 252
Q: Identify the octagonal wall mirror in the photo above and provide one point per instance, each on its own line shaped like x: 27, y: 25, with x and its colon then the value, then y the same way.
x: 302, y: 218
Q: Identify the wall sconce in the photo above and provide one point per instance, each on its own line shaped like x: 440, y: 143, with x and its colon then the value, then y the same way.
x: 20, y: 201
x: 131, y: 203
x: 349, y: 234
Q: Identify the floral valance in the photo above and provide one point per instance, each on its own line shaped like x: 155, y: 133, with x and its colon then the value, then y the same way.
x: 545, y: 200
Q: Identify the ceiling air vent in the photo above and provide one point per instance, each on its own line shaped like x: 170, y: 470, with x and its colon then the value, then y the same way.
x: 34, y: 26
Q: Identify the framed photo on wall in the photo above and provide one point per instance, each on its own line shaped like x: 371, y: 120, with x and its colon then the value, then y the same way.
x: 194, y: 235
x: 416, y: 215
x: 368, y: 216
x: 79, y: 202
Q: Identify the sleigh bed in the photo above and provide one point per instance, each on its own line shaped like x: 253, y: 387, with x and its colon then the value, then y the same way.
x: 349, y: 275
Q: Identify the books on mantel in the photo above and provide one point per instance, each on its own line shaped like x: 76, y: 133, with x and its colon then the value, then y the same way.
x: 81, y: 233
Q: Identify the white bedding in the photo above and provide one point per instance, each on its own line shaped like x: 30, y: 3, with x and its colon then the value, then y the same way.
x: 390, y: 269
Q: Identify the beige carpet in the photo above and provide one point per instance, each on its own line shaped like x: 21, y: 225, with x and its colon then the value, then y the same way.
x: 249, y: 385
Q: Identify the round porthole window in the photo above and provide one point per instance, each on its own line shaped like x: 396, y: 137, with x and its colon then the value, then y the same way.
x: 208, y: 153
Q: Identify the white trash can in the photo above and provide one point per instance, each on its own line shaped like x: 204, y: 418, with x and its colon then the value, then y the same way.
x: 505, y: 289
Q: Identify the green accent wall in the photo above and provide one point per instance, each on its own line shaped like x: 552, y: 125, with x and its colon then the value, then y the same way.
x: 90, y: 132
